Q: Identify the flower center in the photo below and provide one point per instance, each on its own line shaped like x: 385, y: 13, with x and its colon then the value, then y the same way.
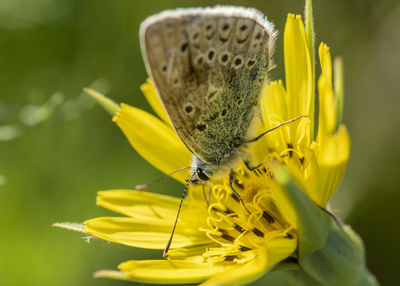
x: 238, y: 233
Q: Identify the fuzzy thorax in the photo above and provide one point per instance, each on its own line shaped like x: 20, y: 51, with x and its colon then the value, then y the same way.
x: 203, y: 171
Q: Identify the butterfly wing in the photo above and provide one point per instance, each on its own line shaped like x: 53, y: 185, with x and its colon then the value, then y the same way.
x: 208, y: 66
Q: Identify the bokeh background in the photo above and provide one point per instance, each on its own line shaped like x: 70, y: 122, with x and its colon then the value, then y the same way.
x: 57, y: 148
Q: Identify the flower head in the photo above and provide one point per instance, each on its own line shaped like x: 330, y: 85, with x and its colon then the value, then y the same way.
x: 217, y: 241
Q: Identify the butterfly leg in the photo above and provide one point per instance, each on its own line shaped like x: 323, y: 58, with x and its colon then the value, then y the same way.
x: 251, y: 168
x: 231, y: 176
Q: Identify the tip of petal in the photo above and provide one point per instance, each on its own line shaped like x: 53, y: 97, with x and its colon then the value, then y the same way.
x: 113, y: 274
x: 105, y: 102
x: 323, y: 49
x: 294, y: 17
x: 79, y: 227
x: 151, y: 95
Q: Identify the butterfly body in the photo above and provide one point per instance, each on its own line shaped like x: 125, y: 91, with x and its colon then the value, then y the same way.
x: 209, y: 66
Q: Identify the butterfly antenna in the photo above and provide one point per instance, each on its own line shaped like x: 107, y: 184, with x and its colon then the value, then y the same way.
x: 275, y: 127
x: 146, y: 186
x: 165, y: 253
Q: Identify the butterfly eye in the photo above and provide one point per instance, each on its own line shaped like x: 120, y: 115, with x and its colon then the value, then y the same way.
x: 201, y: 175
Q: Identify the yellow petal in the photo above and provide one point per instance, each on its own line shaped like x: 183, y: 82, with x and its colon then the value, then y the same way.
x: 144, y: 233
x: 326, y: 62
x: 301, y: 138
x: 274, y: 111
x: 339, y: 88
x: 333, y: 156
x: 299, y: 84
x: 281, y: 199
x: 279, y: 249
x: 327, y: 104
x: 243, y: 273
x: 139, y: 204
x: 337, y: 150
x: 152, y: 97
x: 273, y: 104
x: 168, y: 271
x: 154, y: 141
x: 192, y: 253
x: 285, y: 207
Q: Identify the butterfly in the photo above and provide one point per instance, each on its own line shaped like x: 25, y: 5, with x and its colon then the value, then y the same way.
x: 208, y: 66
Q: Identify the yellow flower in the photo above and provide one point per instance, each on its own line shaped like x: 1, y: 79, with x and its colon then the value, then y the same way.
x: 217, y: 241
x: 318, y: 164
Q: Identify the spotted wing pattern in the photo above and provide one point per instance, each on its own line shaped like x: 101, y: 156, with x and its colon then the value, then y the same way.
x: 208, y: 66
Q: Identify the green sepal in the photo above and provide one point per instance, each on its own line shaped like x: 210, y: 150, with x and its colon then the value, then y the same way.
x: 330, y: 253
x: 313, y: 222
x: 289, y: 277
x: 337, y: 263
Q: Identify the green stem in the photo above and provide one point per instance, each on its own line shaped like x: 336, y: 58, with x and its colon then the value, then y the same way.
x: 310, y: 34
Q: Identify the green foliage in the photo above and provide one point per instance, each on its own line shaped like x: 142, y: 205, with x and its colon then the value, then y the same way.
x: 56, y: 150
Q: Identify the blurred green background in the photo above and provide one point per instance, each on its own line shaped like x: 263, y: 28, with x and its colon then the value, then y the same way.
x: 57, y: 148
